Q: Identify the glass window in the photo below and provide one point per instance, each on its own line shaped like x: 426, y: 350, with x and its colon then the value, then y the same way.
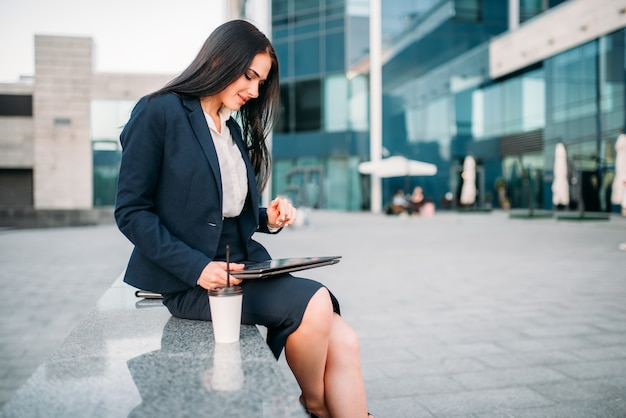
x: 612, y: 55
x: 512, y: 109
x: 279, y: 32
x: 342, y: 191
x: 572, y: 79
x: 359, y: 103
x: 533, y: 101
x: 334, y: 8
x: 478, y: 114
x: 306, y: 5
x: 335, y: 52
x: 331, y: 183
x: 308, y: 112
x: 438, y: 115
x: 279, y: 7
x: 284, y: 123
x: 463, y: 112
x: 306, y: 28
x: 413, y: 124
x: 335, y: 99
x: 282, y: 54
x: 493, y: 110
x: 337, y: 22
x: 62, y: 121
x: 431, y: 123
x: 529, y: 9
x: 357, y: 7
x: 357, y: 39
x: 468, y: 10
x: 307, y: 56
x: 108, y: 117
x: 16, y: 105
x: 280, y: 169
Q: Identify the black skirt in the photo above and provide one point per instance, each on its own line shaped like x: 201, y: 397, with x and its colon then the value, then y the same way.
x: 277, y: 303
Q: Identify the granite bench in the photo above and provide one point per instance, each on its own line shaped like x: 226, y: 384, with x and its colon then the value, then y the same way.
x: 130, y: 358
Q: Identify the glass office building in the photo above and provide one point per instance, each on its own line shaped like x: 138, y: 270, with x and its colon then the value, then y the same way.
x: 443, y: 101
x: 323, y: 131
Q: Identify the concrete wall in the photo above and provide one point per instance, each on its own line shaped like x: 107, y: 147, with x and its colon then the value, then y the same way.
x: 61, y: 108
x: 114, y: 86
x: 16, y: 146
x: 16, y: 132
x: 56, y: 142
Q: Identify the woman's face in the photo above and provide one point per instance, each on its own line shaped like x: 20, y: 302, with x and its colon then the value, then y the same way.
x: 246, y: 87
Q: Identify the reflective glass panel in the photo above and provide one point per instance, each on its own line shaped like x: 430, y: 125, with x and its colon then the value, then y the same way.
x: 308, y: 105
x: 335, y: 98
x: 335, y: 52
x: 307, y: 56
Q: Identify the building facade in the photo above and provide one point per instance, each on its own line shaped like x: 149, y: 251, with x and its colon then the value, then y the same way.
x: 59, y: 130
x: 501, y: 81
x: 323, y: 131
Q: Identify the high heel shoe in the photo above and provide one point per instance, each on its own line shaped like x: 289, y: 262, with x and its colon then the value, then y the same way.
x: 312, y: 415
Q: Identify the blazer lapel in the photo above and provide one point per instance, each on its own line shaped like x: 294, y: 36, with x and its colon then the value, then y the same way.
x: 200, y: 127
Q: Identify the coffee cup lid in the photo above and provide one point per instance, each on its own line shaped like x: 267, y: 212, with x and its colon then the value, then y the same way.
x: 226, y: 291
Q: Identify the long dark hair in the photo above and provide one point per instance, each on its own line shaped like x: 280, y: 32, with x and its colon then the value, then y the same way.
x: 225, y: 56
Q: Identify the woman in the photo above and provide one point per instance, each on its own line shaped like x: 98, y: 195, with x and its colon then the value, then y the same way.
x: 189, y: 185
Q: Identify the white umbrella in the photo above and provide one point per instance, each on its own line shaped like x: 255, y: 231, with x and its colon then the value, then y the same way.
x: 560, y: 185
x: 468, y: 190
x: 397, y: 166
x: 617, y: 194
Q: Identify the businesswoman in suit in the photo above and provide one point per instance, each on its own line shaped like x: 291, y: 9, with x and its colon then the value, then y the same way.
x: 189, y: 185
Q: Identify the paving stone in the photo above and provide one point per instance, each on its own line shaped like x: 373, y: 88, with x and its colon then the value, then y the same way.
x: 508, y: 377
x: 482, y: 401
x: 459, y: 315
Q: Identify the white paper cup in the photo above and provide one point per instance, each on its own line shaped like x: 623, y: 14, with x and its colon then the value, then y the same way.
x: 225, y: 304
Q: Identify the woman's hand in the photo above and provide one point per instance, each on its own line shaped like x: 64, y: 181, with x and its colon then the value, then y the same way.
x: 214, y: 275
x: 280, y: 213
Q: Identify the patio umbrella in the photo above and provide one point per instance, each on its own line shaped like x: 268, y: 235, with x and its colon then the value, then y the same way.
x: 619, y: 182
x: 468, y: 190
x: 560, y: 185
x: 397, y: 166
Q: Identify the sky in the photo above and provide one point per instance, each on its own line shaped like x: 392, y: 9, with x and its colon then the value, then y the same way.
x: 130, y: 36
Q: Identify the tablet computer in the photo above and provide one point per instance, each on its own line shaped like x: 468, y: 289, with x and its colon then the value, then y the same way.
x: 282, y: 265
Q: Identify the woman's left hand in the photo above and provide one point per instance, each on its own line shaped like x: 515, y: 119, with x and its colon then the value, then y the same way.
x: 280, y: 213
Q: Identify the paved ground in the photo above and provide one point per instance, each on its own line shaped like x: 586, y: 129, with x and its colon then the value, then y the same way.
x: 459, y: 315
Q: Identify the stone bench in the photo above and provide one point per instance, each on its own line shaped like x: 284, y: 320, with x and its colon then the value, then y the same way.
x: 130, y: 358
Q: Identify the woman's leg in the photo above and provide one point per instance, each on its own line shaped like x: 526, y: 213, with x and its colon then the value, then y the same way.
x: 344, y: 388
x: 323, y: 354
x: 306, y: 351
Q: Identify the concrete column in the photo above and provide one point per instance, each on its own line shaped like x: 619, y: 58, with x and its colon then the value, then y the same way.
x: 376, y: 101
x: 236, y: 9
x: 62, y: 151
x: 513, y: 14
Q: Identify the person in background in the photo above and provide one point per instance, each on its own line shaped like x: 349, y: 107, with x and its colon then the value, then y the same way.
x: 419, y: 205
x: 416, y: 201
x: 189, y: 185
x: 399, y: 204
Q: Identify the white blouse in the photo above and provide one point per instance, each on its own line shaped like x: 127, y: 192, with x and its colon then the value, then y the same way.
x: 232, y: 166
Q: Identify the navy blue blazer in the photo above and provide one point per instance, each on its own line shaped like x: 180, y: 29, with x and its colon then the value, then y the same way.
x: 169, y: 195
